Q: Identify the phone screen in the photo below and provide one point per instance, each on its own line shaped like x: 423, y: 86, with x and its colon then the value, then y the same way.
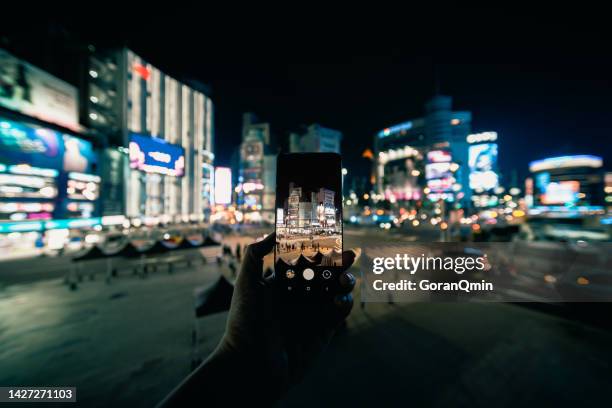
x: 308, y: 251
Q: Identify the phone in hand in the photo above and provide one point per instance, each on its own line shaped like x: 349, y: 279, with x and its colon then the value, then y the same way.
x: 308, y: 250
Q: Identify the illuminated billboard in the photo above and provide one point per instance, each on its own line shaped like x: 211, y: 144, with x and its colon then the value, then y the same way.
x: 438, y: 156
x: 45, y: 174
x: 45, y: 148
x: 153, y: 155
x: 438, y: 170
x: 482, y: 160
x: 32, y: 91
x: 562, y: 192
x: 223, y: 185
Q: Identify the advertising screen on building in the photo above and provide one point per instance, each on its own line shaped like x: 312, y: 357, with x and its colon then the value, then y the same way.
x: 438, y: 156
x: 437, y: 170
x: 223, y: 185
x: 154, y: 155
x: 22, y: 143
x: 34, y: 92
x: 563, y: 192
x: 483, y: 163
x: 45, y: 174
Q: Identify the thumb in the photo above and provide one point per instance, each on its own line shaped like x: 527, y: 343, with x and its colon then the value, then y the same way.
x: 251, y: 270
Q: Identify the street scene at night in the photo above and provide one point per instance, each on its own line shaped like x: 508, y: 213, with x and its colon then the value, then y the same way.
x: 160, y: 192
x: 308, y: 215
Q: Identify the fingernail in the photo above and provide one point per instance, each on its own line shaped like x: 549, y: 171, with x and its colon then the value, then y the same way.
x: 348, y: 279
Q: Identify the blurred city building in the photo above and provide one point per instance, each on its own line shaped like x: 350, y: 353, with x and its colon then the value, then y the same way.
x: 158, y: 160
x: 49, y: 180
x: 256, y: 184
x: 315, y: 138
x: 425, y: 157
x: 570, y: 186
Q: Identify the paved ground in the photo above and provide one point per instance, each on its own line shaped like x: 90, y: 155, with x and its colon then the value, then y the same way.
x: 407, y: 355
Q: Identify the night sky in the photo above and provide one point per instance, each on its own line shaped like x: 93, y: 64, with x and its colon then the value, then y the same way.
x: 541, y: 81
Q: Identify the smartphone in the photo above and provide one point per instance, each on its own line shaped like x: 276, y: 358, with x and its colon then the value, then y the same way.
x: 308, y: 250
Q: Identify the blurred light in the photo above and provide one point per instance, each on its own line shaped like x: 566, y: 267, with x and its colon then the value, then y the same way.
x: 455, y: 121
x: 415, y: 173
x: 415, y: 223
x: 562, y: 162
x: 476, y: 227
x: 443, y: 225
x: 582, y: 280
x: 93, y: 74
x: 92, y: 238
x: 482, y: 137
x: 518, y: 213
x: 223, y: 185
x: 515, y: 191
x: 549, y: 279
x: 136, y: 222
x: 93, y: 116
x: 454, y: 167
x: 366, y: 196
x: 344, y: 171
x: 93, y: 99
x: 349, y: 202
x: 426, y: 190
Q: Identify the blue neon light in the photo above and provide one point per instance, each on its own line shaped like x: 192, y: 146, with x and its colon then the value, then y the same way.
x: 28, y: 226
x: 578, y: 160
x: 395, y: 129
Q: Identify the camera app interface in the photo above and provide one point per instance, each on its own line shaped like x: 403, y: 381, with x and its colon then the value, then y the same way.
x: 308, y: 217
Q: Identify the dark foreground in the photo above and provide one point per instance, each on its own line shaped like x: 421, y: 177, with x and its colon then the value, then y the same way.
x: 130, y: 342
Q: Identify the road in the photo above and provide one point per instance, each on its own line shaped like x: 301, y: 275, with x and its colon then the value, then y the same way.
x: 128, y: 343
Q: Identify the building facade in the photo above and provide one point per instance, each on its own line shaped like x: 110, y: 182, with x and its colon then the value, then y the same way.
x: 570, y: 185
x: 256, y: 187
x: 159, y: 139
x: 315, y: 138
x: 425, y: 158
x: 49, y: 165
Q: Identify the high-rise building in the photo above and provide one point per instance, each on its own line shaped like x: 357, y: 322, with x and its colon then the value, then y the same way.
x: 166, y: 127
x: 315, y: 138
x: 256, y: 171
x: 425, y: 157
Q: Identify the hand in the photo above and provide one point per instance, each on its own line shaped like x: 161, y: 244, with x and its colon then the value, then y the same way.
x: 268, y: 344
x: 284, y: 339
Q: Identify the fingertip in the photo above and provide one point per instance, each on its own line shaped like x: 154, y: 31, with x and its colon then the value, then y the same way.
x: 347, y: 281
x: 261, y: 248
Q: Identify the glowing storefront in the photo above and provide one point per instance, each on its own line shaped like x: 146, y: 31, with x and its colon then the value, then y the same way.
x: 571, y: 185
